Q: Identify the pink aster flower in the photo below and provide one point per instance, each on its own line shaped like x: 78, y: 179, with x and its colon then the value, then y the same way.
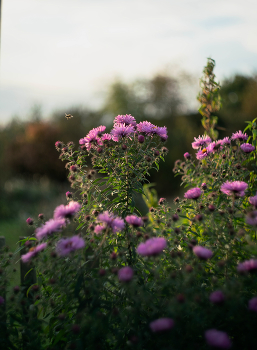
x: 2, y: 300
x: 106, y: 137
x: 251, y: 218
x: 226, y: 141
x: 217, y: 297
x: 99, y: 229
x: 67, y: 245
x: 100, y: 130
x: 239, y: 136
x: 217, y: 145
x: 201, y: 141
x: 93, y: 137
x: 202, y: 252
x: 247, y: 147
x: 217, y: 339
x: 247, y: 266
x: 33, y: 252
x: 82, y: 141
x: 153, y: 246
x: 134, y: 220
x: 112, y: 221
x: 126, y: 119
x: 252, y: 305
x: 162, y: 324
x: 120, y: 131
x: 235, y: 187
x: 253, y: 200
x: 66, y: 211
x: 202, y: 153
x: 51, y: 226
x: 194, y: 193
x: 125, y: 274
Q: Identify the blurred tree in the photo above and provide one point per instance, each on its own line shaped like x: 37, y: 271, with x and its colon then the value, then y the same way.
x: 239, y: 102
x: 157, y: 98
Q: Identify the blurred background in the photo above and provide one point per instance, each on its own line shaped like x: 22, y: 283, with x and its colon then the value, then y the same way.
x: 96, y: 59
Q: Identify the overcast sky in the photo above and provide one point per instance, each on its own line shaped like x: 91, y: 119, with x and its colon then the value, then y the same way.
x: 61, y: 53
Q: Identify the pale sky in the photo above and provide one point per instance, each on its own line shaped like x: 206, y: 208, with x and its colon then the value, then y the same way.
x: 61, y: 53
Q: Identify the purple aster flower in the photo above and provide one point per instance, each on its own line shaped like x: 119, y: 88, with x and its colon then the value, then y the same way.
x: 126, y: 119
x: 247, y: 266
x: 115, y: 223
x: 51, y: 226
x: 252, y: 305
x: 187, y: 155
x: 239, y: 136
x: 146, y: 128
x: 2, y: 300
x: 217, y: 339
x: 235, y: 187
x: 99, y: 228
x: 194, y: 193
x: 33, y: 252
x: 134, y: 220
x: 121, y: 130
x: 162, y: 132
x: 125, y: 274
x: 253, y: 200
x: 67, y: 211
x: 202, y: 252
x: 217, y: 297
x: 226, y: 141
x: 201, y: 141
x: 251, y: 218
x: 247, y: 147
x: 67, y: 245
x: 202, y: 153
x: 162, y: 324
x: 106, y: 137
x: 153, y: 246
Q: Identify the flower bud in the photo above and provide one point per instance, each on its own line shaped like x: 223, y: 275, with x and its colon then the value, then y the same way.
x: 141, y: 138
x: 29, y: 221
x: 175, y: 217
x: 58, y: 144
x: 68, y: 194
x: 41, y: 216
x: 187, y: 155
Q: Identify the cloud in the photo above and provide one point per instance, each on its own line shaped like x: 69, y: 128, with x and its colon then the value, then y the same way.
x: 67, y: 49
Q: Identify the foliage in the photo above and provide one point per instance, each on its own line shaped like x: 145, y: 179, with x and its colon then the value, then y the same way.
x: 209, y: 98
x: 179, y: 278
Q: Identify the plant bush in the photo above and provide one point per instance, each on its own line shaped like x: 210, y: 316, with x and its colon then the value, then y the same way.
x: 179, y: 278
